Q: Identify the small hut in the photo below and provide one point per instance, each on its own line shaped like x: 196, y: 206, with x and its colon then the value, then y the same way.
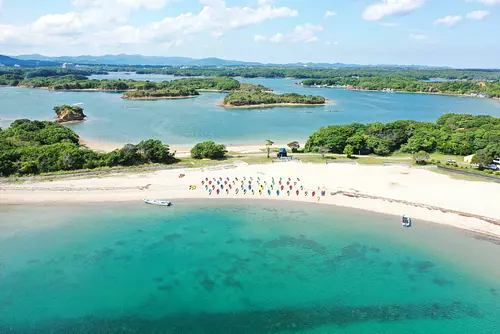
x: 468, y: 158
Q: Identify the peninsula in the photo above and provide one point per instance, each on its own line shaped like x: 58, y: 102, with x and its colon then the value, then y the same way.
x: 474, y: 88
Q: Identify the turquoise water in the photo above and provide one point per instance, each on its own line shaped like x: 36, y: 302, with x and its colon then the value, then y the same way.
x: 240, y: 267
x: 188, y: 121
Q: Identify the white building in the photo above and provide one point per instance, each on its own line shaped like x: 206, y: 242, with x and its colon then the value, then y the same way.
x: 68, y: 66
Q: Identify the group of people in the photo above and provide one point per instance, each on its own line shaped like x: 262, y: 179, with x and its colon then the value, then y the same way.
x: 249, y: 185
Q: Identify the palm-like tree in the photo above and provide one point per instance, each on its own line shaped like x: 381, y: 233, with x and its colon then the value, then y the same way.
x: 294, y: 146
x: 269, y: 143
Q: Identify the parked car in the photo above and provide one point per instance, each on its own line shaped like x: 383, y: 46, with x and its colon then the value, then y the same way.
x: 496, y: 161
x: 492, y: 167
x: 451, y: 161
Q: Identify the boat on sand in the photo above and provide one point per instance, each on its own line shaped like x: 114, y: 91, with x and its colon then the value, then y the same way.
x: 157, y: 202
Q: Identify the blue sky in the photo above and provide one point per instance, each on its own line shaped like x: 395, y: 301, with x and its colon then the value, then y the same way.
x: 459, y: 33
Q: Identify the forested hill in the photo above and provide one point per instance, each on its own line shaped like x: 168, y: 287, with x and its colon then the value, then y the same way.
x: 379, y: 83
x: 323, y: 73
x: 458, y: 134
x: 34, y: 147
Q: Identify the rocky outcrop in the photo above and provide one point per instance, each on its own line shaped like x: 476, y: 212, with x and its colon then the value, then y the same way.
x: 66, y: 113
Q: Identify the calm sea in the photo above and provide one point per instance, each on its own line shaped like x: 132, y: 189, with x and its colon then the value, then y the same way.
x: 240, y: 267
x: 185, y: 122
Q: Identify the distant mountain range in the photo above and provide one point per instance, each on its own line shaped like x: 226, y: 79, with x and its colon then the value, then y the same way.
x: 138, y: 60
x: 9, y: 61
x: 123, y: 59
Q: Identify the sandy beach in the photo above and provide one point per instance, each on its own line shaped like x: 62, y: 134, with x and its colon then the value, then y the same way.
x: 397, y: 190
x: 183, y: 151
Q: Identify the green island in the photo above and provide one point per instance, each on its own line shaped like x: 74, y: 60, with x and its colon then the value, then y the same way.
x: 401, y: 84
x: 67, y: 113
x: 164, y: 93
x: 240, y: 94
x: 34, y: 147
x: 259, y: 99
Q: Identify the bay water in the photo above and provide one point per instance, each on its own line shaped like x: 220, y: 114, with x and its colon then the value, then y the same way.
x: 240, y: 267
x: 188, y: 121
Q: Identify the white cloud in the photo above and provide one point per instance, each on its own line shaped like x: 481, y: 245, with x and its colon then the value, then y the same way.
x: 103, y: 23
x: 389, y: 24
x: 279, y: 37
x: 330, y: 13
x: 487, y: 2
x: 378, y: 11
x: 93, y: 14
x: 419, y: 37
x: 449, y: 20
x: 217, y: 34
x: 477, y: 15
x: 259, y: 38
x: 302, y: 33
x: 131, y: 4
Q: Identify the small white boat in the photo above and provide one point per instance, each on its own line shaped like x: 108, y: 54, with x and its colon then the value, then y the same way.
x: 157, y: 202
x: 406, y: 221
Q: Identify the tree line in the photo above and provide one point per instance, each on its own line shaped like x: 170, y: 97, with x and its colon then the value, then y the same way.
x: 457, y: 134
x: 160, y: 93
x: 407, y: 80
x: 34, y: 147
x: 264, y: 71
x: 323, y: 73
x: 410, y: 85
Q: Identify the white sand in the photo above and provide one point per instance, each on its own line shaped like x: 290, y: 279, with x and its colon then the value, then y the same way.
x: 183, y: 151
x: 418, y: 186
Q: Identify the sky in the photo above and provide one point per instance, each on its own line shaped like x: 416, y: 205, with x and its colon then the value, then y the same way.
x: 458, y: 33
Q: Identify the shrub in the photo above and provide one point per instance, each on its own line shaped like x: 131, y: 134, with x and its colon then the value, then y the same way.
x: 349, y: 150
x: 208, y: 149
x: 421, y: 158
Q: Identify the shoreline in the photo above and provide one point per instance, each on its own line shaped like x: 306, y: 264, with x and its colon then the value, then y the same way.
x: 272, y: 105
x: 184, y: 149
x: 267, y: 106
x: 393, y: 190
x: 152, y: 98
x: 405, y: 92
x: 70, y: 122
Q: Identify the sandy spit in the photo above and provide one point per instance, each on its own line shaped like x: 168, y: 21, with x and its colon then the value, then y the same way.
x: 397, y: 190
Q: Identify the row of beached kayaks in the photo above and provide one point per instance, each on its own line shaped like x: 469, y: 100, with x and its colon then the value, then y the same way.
x: 157, y: 202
